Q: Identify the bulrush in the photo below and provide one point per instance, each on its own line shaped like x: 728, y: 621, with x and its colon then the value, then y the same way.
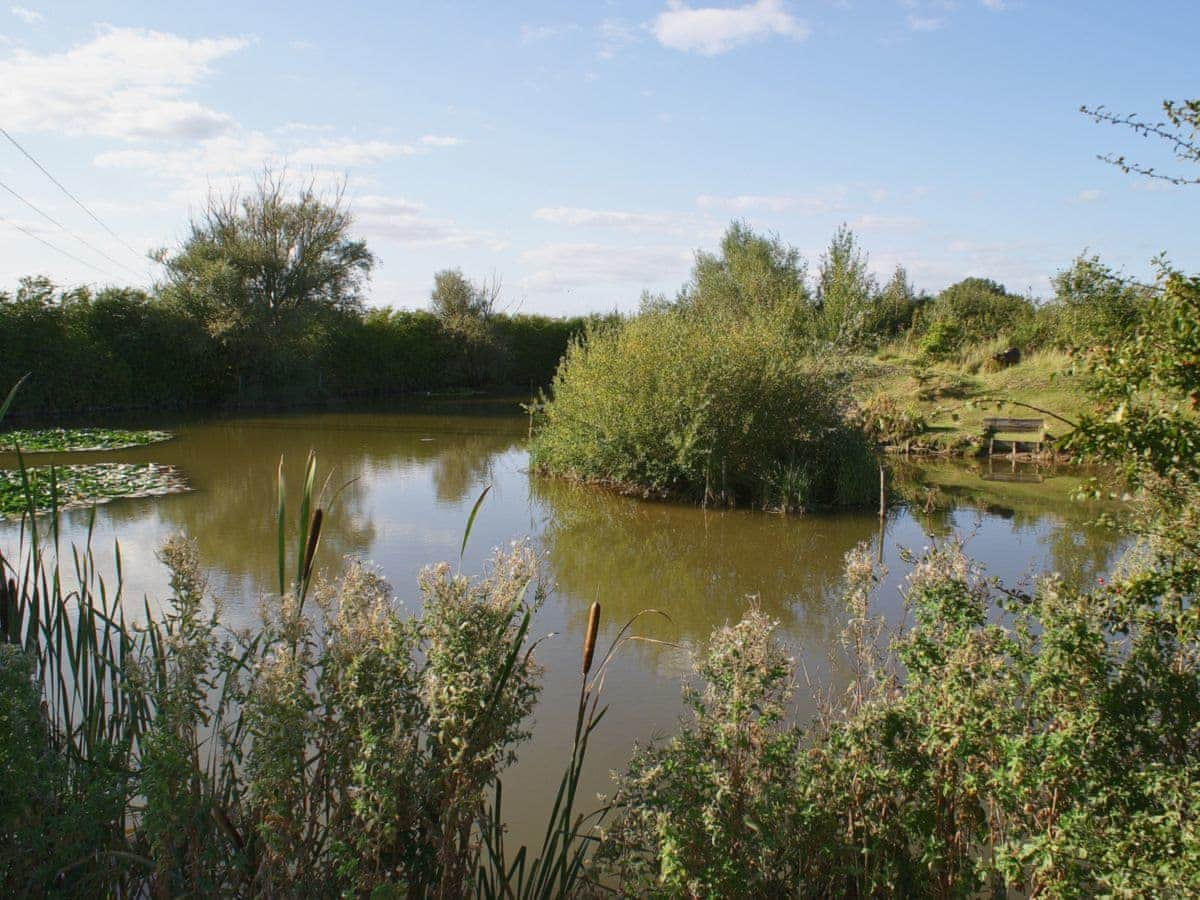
x: 589, y: 641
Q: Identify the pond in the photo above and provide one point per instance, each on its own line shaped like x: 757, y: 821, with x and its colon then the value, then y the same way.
x: 414, y: 475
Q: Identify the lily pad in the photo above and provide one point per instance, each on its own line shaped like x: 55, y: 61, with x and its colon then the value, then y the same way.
x: 83, y: 485
x: 48, y: 440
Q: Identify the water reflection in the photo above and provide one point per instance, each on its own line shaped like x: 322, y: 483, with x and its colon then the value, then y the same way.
x: 1034, y: 499
x: 699, y: 566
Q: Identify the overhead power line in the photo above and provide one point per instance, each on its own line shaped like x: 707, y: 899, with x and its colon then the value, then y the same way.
x: 55, y: 247
x: 95, y: 218
x: 53, y: 221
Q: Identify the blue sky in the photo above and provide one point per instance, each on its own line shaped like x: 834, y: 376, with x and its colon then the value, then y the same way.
x: 584, y: 151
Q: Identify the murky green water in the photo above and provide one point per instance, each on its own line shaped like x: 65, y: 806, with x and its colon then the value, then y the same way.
x: 413, y: 477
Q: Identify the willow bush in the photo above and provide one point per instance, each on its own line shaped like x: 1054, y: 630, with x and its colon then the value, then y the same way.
x: 672, y: 405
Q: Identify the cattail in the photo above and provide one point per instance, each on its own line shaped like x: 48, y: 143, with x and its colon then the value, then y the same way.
x: 314, y: 535
x: 589, y: 641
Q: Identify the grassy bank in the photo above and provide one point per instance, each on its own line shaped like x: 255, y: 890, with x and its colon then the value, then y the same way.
x: 946, y: 401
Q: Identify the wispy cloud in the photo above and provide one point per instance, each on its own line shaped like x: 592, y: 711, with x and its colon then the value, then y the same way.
x: 775, y: 203
x: 27, y: 15
x: 225, y: 159
x: 1089, y: 195
x: 711, y: 30
x: 405, y: 222
x: 614, y: 35
x: 694, y: 227
x: 874, y: 222
x: 926, y: 23
x: 534, y: 34
x: 562, y: 266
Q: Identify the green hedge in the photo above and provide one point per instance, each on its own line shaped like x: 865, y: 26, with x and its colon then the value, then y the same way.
x: 126, y: 349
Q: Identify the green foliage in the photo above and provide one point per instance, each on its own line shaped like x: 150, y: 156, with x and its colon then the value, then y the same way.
x: 258, y: 271
x: 1043, y: 744
x: 894, y: 308
x: 1093, y: 305
x: 345, y: 752
x: 886, y: 421
x: 709, y: 813
x: 973, y: 310
x: 1149, y: 388
x: 117, y: 348
x: 669, y: 405
x: 754, y: 276
x: 125, y: 349
x: 845, y: 292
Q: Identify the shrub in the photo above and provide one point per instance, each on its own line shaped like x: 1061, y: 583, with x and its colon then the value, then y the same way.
x: 886, y: 421
x: 974, y: 309
x: 1093, y: 305
x: 710, y: 812
x: 669, y: 405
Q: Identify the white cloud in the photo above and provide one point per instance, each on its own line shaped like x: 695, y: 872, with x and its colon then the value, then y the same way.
x: 1089, y: 195
x: 712, y: 29
x: 567, y: 265
x: 26, y: 15
x: 996, y: 5
x: 768, y: 202
x: 123, y: 83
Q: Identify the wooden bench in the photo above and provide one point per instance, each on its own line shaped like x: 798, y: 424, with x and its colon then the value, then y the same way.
x: 997, y: 425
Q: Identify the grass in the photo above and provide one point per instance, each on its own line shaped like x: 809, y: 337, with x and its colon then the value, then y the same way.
x: 954, y: 400
x: 74, y: 440
x: 63, y: 487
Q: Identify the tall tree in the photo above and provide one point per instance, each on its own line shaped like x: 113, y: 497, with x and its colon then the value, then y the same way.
x: 466, y: 311
x: 259, y: 269
x: 845, y: 290
x: 754, y: 275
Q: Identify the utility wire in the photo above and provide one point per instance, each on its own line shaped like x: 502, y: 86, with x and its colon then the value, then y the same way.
x: 53, y: 221
x: 66, y: 253
x: 12, y: 140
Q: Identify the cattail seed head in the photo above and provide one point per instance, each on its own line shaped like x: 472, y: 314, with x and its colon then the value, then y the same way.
x: 589, y: 640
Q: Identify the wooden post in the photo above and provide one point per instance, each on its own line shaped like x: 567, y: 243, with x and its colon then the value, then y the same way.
x: 882, y: 493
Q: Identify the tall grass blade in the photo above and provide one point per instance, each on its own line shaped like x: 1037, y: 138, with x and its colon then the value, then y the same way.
x: 471, y: 522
